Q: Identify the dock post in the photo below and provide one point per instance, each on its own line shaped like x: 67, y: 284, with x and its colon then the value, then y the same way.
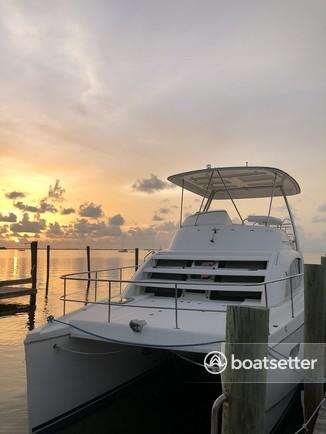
x: 314, y: 333
x: 246, y: 338
x: 47, y: 270
x: 32, y: 299
x: 88, y: 253
x: 136, y: 258
x: 34, y: 263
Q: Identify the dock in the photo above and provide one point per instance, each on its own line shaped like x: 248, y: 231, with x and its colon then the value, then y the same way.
x: 13, y: 287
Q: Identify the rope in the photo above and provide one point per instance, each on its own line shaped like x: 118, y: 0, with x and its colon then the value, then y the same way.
x: 84, y: 353
x: 305, y: 425
x: 51, y: 319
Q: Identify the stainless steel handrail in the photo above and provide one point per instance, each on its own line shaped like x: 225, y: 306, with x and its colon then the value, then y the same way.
x: 215, y: 410
x: 176, y: 308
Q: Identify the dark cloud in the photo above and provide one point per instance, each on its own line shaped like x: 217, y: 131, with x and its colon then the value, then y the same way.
x: 151, y: 184
x: 56, y: 192
x: 67, y: 211
x: 15, y: 194
x: 89, y: 209
x: 117, y: 220
x: 55, y: 230
x: 164, y: 210
x: 25, y: 225
x: 157, y: 218
x: 11, y: 217
x: 322, y: 207
x: 101, y: 229
x: 3, y: 231
x: 42, y: 208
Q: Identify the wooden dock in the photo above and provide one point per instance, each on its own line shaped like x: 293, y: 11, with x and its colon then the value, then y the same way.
x: 13, y: 288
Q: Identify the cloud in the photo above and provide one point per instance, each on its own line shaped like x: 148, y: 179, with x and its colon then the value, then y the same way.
x: 15, y: 194
x: 25, y: 225
x: 151, y: 184
x: 67, y: 211
x: 3, y: 231
x: 56, y: 192
x: 319, y: 219
x: 117, y: 220
x: 101, y: 229
x: 157, y: 218
x: 11, y: 217
x: 322, y: 207
x: 89, y: 209
x: 164, y: 210
x: 42, y: 208
x: 55, y: 230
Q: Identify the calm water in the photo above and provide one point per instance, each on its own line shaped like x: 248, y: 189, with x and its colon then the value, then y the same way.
x: 13, y: 327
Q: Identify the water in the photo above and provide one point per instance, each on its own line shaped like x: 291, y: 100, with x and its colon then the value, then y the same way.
x: 13, y: 327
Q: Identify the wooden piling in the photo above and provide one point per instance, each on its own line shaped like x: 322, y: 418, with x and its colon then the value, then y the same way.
x: 314, y: 333
x: 246, y: 338
x: 47, y: 270
x: 34, y: 264
x: 136, y: 258
x: 88, y: 254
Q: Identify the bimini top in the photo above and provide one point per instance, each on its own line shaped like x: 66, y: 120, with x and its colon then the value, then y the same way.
x: 241, y: 182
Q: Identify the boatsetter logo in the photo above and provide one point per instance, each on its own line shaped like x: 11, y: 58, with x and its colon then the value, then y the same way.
x: 216, y: 362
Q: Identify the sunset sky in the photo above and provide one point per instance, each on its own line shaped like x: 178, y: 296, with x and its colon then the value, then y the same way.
x: 100, y: 101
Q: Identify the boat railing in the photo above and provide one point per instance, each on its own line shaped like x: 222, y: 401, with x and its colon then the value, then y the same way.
x: 93, y: 276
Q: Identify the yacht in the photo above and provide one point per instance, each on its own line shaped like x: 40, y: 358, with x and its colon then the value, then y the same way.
x: 175, y: 303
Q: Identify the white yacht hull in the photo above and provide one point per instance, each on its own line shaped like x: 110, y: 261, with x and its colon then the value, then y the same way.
x: 61, y: 382
x: 65, y: 374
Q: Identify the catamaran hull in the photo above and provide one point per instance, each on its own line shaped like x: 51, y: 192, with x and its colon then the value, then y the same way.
x: 64, y: 375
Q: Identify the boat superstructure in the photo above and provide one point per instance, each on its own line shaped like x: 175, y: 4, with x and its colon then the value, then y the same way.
x: 175, y: 302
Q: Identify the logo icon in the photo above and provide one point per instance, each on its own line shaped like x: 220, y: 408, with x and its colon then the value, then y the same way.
x: 215, y: 362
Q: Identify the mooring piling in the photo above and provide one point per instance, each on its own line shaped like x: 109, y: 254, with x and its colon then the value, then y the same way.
x: 136, y: 258
x: 47, y: 270
x: 245, y: 388
x: 314, y: 333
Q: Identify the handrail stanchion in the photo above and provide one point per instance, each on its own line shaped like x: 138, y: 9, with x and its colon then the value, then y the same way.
x: 266, y: 300
x: 64, y: 295
x: 291, y: 291
x: 95, y: 294
x: 120, y: 277
x: 109, y: 303
x: 176, y: 304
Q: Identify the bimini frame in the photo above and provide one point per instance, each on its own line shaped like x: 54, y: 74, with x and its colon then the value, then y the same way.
x: 238, y: 183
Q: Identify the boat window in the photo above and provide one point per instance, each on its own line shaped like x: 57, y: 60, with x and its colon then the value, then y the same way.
x: 235, y: 295
x: 205, y: 264
x: 163, y: 292
x: 168, y: 276
x: 202, y: 276
x: 246, y: 265
x: 173, y: 263
x: 239, y: 279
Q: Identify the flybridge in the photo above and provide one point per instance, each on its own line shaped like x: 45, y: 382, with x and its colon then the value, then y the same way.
x: 220, y: 183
